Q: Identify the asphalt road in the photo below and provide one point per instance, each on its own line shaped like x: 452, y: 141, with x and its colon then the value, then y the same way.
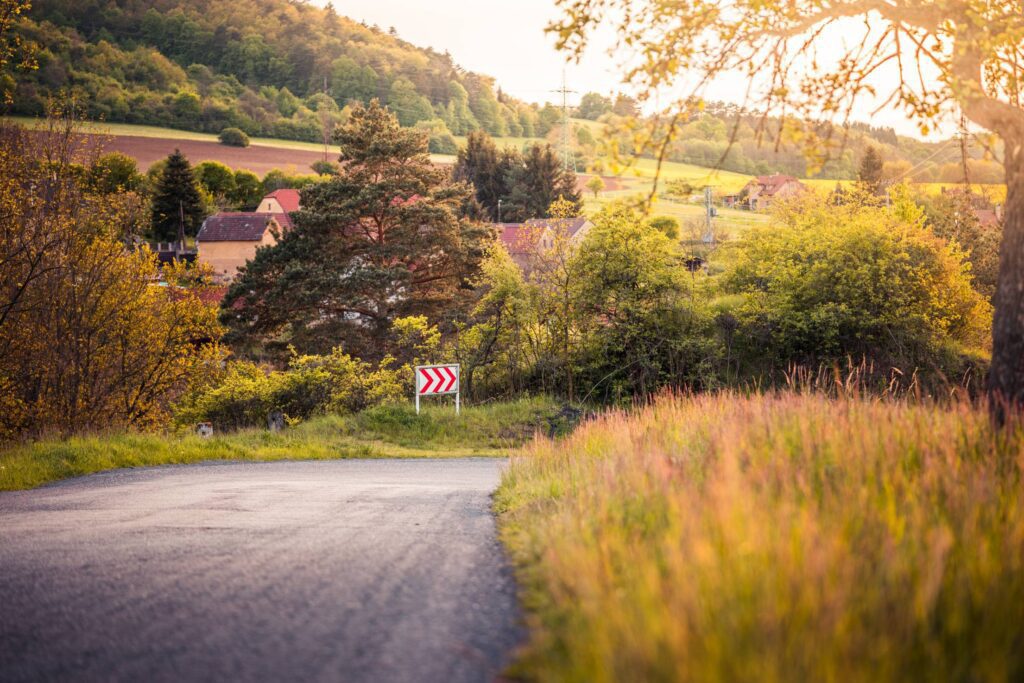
x: 354, y: 570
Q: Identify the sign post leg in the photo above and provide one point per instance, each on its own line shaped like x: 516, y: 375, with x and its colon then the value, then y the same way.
x: 417, y: 403
x: 457, y: 402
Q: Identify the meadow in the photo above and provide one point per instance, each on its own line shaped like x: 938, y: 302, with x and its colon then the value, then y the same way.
x: 388, y: 431
x: 777, y: 537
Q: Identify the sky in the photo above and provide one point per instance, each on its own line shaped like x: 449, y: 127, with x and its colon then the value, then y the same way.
x: 505, y: 39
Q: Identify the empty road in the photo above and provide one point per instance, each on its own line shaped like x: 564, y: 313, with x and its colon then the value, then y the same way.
x: 349, y: 570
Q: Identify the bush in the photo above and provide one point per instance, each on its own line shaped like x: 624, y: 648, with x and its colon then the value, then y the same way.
x: 828, y: 282
x: 312, y: 385
x: 233, y: 137
x: 443, y: 143
x: 322, y: 167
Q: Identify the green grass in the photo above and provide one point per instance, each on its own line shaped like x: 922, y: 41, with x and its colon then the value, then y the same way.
x: 128, y: 129
x: 384, y: 432
x: 786, y: 537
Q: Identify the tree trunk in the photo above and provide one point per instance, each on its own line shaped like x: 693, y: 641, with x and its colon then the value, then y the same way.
x: 1006, y: 376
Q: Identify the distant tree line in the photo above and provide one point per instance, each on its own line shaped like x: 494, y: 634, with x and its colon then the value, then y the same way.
x: 724, y: 136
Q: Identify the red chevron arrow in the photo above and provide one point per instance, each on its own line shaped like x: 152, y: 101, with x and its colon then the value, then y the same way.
x: 428, y: 380
x: 451, y: 379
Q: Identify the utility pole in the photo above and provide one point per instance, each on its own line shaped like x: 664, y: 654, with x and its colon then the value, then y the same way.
x: 324, y: 124
x: 566, y: 156
x: 709, y: 213
x: 181, y: 226
x: 963, y: 154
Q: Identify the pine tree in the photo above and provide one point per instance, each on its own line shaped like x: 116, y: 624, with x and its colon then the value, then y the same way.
x: 481, y: 164
x: 870, y: 173
x: 176, y: 200
x: 383, y: 239
x: 537, y: 182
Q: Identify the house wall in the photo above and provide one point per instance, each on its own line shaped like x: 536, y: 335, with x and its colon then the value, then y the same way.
x: 270, y: 205
x: 227, y: 257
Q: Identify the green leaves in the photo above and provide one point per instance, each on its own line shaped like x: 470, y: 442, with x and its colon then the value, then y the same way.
x: 826, y: 282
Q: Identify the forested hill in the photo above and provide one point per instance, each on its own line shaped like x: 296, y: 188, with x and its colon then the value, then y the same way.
x: 270, y: 67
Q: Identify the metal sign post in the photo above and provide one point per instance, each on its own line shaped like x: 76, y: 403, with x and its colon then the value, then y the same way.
x: 437, y: 380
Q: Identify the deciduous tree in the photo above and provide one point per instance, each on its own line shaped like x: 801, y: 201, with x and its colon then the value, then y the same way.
x: 88, y: 340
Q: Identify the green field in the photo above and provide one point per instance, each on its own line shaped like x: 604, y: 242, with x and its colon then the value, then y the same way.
x: 637, y: 174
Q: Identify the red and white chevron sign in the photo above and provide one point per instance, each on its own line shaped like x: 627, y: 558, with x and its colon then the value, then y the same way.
x: 437, y: 379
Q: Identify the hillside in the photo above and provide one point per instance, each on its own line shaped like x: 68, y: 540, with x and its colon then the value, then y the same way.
x: 270, y: 67
x: 285, y: 70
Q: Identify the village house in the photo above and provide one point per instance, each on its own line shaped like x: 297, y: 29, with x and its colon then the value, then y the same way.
x: 227, y: 240
x: 762, y: 191
x: 284, y: 201
x: 989, y: 215
x: 524, y: 240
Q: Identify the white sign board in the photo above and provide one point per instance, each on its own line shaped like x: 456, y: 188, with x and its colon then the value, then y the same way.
x: 437, y: 380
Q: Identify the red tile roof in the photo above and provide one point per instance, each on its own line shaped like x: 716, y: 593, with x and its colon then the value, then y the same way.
x: 235, y: 227
x: 212, y: 295
x: 284, y: 220
x: 515, y: 239
x: 287, y: 198
x: 771, y: 184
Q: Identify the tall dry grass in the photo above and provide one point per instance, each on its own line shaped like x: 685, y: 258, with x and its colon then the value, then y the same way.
x: 786, y: 537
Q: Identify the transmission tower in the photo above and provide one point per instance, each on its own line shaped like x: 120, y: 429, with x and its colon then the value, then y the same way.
x: 709, y: 214
x: 567, y: 156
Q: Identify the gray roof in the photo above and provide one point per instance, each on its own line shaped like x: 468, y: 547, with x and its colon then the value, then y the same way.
x: 236, y: 227
x: 569, y: 225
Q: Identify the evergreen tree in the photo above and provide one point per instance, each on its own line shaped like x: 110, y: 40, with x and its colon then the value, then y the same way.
x: 176, y: 200
x: 485, y: 168
x: 383, y: 239
x: 526, y: 185
x: 869, y: 176
x: 536, y: 183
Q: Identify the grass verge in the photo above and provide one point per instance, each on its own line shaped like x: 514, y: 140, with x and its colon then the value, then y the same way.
x: 383, y: 432
x: 771, y: 538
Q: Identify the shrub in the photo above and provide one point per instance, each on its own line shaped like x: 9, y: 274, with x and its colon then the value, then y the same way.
x: 443, y: 143
x: 311, y: 385
x: 322, y: 167
x: 826, y: 282
x: 233, y: 137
